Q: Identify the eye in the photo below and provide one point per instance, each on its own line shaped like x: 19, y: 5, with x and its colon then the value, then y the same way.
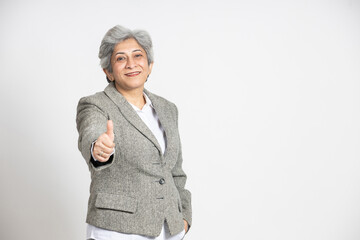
x: 138, y: 55
x: 120, y: 59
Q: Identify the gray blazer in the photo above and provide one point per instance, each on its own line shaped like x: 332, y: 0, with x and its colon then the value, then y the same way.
x: 139, y: 188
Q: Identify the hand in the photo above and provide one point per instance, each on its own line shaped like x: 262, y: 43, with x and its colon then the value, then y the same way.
x: 104, y: 145
x: 186, y: 226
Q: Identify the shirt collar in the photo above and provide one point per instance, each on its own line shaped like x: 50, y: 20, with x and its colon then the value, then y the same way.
x: 148, y: 103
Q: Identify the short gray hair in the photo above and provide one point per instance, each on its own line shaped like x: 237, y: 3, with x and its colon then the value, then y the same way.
x: 118, y: 34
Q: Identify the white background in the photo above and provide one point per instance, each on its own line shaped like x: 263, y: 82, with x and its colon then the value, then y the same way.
x: 269, y: 101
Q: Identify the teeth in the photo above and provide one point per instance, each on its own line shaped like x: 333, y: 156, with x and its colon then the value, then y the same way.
x: 130, y: 74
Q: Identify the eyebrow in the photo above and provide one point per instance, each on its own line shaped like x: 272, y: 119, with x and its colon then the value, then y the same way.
x: 136, y: 50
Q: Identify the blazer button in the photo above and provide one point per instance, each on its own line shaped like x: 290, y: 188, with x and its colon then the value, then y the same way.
x: 162, y: 181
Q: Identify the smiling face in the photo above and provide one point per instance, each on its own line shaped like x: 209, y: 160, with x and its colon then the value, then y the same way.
x: 130, y: 66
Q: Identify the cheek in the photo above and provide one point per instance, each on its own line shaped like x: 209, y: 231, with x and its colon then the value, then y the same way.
x: 143, y: 62
x: 118, y: 67
x: 146, y: 67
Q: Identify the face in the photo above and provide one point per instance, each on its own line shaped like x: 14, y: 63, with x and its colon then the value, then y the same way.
x: 130, y: 66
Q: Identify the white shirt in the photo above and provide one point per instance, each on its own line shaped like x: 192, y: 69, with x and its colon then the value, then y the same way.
x: 150, y: 118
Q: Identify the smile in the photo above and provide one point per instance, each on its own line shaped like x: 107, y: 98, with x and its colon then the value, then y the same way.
x: 132, y: 74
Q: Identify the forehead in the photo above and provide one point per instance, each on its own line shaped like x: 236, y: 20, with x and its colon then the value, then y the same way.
x: 128, y: 46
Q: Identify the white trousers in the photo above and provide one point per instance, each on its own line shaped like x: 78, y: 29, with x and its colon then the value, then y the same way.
x: 103, y: 234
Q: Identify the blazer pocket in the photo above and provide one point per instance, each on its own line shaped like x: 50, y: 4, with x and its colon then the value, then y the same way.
x: 116, y: 202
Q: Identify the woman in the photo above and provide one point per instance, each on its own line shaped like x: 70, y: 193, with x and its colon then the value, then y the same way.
x: 130, y: 141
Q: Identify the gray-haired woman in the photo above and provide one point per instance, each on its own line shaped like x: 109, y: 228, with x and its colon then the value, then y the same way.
x: 129, y: 138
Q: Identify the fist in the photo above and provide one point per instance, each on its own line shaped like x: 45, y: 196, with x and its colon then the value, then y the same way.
x: 104, y: 145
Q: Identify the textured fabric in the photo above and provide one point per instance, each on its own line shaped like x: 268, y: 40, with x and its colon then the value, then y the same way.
x: 140, y: 188
x: 149, y: 117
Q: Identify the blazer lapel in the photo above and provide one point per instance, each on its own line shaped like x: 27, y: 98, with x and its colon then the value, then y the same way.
x: 129, y: 113
x: 163, y: 115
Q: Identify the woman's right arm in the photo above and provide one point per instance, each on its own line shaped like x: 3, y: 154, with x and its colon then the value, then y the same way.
x: 92, y: 125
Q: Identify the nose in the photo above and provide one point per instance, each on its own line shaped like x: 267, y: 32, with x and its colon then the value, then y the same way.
x: 130, y: 63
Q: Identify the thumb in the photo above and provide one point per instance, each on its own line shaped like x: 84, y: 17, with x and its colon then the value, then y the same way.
x: 110, y: 129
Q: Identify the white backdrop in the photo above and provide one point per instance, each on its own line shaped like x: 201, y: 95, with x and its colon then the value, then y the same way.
x: 269, y: 101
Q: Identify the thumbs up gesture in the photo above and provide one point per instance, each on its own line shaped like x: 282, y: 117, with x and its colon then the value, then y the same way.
x: 104, y: 145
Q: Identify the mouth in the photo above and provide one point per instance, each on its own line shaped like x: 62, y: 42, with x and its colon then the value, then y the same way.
x: 132, y: 74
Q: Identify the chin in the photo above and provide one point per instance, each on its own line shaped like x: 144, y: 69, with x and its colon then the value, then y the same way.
x: 131, y: 86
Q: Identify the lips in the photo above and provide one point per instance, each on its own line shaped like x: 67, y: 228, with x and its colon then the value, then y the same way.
x: 132, y: 74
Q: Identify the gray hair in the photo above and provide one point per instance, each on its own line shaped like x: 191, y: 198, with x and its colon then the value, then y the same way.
x: 118, y: 34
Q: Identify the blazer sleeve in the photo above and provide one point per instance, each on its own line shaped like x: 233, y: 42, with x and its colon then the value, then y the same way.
x: 91, y: 123
x: 180, y: 177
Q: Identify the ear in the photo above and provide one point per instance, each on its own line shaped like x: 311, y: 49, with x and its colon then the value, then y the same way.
x: 109, y: 75
x: 150, y: 67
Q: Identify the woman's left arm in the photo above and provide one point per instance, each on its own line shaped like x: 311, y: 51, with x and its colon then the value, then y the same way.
x: 180, y: 177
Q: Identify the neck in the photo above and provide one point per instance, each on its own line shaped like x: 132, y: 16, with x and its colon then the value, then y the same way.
x: 134, y: 96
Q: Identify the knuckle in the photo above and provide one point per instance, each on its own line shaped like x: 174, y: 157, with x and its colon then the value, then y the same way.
x: 98, y: 143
